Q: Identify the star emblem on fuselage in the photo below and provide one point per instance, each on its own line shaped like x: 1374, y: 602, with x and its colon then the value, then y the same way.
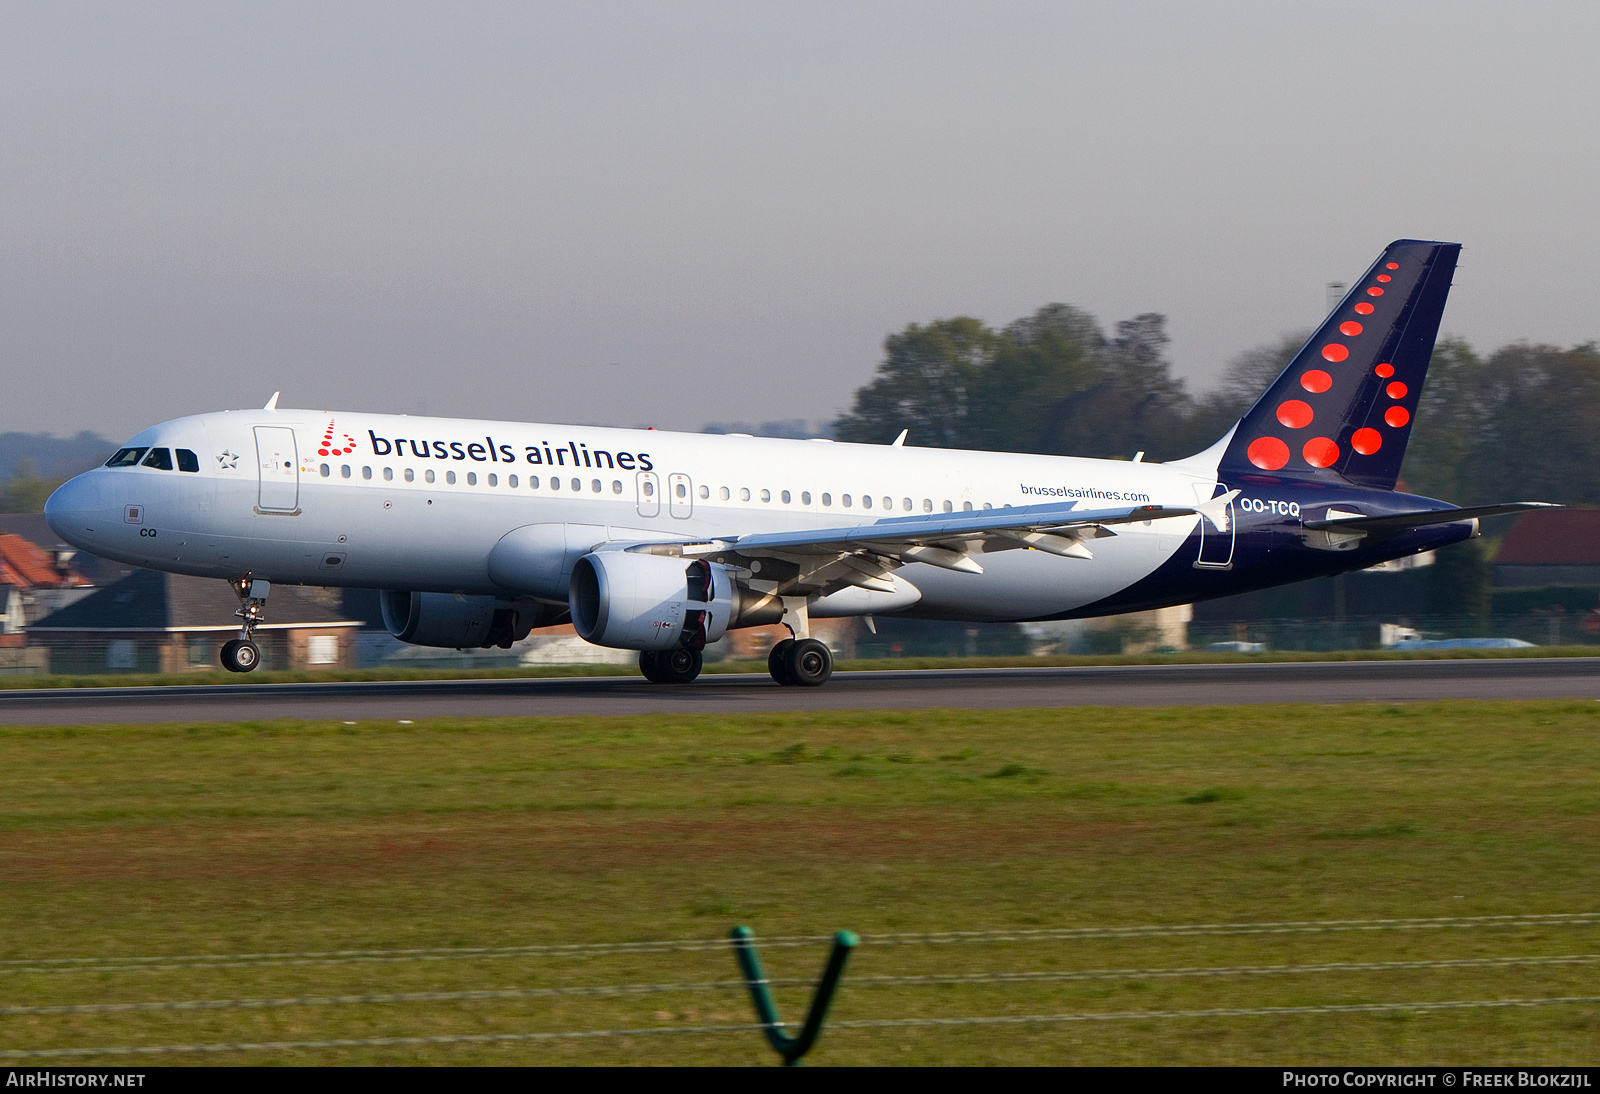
x: 228, y: 459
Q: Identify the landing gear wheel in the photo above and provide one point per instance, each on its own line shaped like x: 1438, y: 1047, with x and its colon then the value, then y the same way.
x: 809, y: 664
x: 677, y: 666
x: 239, y: 655
x: 778, y: 661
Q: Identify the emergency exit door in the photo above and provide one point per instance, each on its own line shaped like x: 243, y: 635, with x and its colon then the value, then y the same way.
x: 278, y: 464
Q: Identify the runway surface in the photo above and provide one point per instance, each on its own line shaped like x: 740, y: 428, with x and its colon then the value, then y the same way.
x: 1112, y: 685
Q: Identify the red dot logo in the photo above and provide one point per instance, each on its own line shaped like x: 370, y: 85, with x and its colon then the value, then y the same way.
x: 1396, y: 390
x: 1397, y: 416
x: 1315, y: 381
x: 1320, y: 452
x: 1366, y: 441
x: 1385, y: 277
x: 1350, y: 328
x: 1268, y: 453
x: 1294, y: 414
x: 1385, y: 369
x: 1374, y: 291
x: 322, y: 451
x: 1334, y: 352
x: 1391, y: 266
x: 1364, y: 308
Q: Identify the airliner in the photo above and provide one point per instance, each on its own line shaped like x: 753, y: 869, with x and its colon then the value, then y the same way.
x: 476, y: 532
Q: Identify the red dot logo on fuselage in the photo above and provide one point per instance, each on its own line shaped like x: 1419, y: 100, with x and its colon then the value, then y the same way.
x: 329, y: 448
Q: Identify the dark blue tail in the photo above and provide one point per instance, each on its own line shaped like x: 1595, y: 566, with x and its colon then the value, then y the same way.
x: 1343, y: 408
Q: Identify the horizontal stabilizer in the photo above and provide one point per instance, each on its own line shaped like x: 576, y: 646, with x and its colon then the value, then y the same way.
x: 1422, y: 518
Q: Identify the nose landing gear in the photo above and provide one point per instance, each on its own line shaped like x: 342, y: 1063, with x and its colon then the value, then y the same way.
x: 242, y: 654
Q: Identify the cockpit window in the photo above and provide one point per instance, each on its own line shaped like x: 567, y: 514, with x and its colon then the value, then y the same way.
x: 188, y: 461
x: 159, y: 458
x: 126, y: 457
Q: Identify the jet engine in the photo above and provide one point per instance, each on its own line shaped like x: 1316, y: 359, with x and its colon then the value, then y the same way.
x: 463, y: 622
x: 636, y: 601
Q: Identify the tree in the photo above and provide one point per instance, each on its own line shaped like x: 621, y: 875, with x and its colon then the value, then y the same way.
x: 26, y: 492
x: 923, y: 385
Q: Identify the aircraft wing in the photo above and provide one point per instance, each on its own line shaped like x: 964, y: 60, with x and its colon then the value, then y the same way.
x: 1422, y: 518
x: 823, y: 560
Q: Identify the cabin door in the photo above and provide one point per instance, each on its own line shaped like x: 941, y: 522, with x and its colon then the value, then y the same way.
x: 279, y: 467
x: 1216, y: 545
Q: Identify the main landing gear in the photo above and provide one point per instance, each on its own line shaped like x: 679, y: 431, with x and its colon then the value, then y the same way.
x: 242, y: 654
x: 800, y: 661
x: 675, y: 666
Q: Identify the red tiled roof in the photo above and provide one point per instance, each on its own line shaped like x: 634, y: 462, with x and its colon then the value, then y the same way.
x: 26, y: 564
x: 1563, y: 537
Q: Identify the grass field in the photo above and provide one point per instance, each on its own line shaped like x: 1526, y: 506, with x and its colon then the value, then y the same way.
x: 286, y: 837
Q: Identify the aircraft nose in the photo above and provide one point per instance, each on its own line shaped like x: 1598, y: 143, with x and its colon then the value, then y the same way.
x: 76, y: 509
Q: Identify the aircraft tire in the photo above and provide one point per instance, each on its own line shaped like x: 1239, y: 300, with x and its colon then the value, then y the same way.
x: 809, y: 663
x: 240, y: 656
x: 678, y: 666
x: 778, y: 662
x: 649, y: 664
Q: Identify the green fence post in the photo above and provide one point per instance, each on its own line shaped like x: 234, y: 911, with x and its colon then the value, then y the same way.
x: 755, y: 978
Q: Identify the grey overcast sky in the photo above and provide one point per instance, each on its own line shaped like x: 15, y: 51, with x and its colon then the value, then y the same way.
x: 635, y: 213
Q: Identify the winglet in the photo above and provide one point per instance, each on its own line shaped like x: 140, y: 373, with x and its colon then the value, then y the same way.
x: 900, y: 441
x: 272, y: 403
x: 1216, y: 510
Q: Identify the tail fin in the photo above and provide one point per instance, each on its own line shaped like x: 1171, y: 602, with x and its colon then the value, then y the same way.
x: 1343, y: 408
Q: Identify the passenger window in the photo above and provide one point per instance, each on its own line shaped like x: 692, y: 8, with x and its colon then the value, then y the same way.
x: 126, y: 457
x: 344, y: 471
x: 785, y: 497
x: 366, y: 473
x: 888, y: 503
x: 388, y: 474
x: 744, y: 493
x: 844, y: 499
x: 722, y: 492
x: 805, y: 497
x: 649, y: 489
x: 325, y: 470
x: 827, y: 499
x: 450, y: 477
x: 948, y: 507
x: 616, y: 486
x: 682, y: 491
x: 927, y: 504
x: 705, y: 491
x: 555, y: 483
x: 595, y: 486
x: 866, y: 501
x: 533, y: 482
x: 986, y: 505
x: 511, y: 481
x: 427, y: 476
x: 187, y: 460
x: 766, y: 495
x: 159, y: 458
x: 577, y: 485
x: 494, y: 480
x: 966, y: 507
x: 411, y: 476
x: 472, y: 478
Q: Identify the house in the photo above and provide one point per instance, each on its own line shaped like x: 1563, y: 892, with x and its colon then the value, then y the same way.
x: 155, y: 622
x: 1550, y: 547
x: 33, y: 583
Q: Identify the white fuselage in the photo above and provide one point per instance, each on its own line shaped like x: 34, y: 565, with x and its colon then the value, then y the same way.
x: 412, y: 503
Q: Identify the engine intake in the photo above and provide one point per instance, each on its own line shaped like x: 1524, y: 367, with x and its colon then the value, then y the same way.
x: 635, y: 601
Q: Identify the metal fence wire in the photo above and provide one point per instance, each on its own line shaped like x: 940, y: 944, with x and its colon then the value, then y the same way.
x: 97, y: 967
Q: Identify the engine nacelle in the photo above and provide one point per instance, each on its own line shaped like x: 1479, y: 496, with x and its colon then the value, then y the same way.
x: 635, y: 601
x: 462, y: 622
